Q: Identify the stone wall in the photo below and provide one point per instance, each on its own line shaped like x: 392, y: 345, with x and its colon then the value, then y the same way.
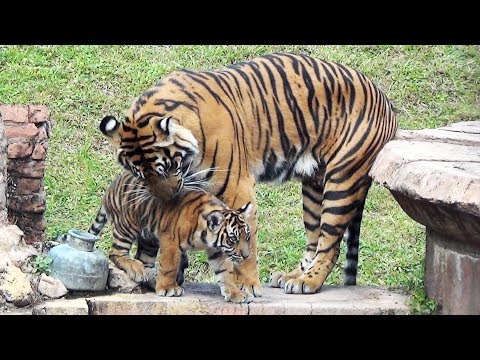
x: 3, y: 174
x: 27, y: 129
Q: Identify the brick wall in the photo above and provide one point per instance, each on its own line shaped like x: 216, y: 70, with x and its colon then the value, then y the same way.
x: 27, y: 129
x: 3, y: 174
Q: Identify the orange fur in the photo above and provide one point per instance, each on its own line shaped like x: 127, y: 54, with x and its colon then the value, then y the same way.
x: 274, y: 118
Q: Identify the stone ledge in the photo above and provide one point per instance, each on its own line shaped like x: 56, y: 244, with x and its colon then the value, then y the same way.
x: 434, y: 174
x: 431, y: 165
x: 62, y: 307
x: 435, y: 181
x: 205, y: 299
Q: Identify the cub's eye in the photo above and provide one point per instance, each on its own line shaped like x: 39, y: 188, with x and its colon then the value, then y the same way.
x: 232, y: 238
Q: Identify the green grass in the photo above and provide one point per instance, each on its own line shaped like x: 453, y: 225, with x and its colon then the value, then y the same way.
x: 431, y: 86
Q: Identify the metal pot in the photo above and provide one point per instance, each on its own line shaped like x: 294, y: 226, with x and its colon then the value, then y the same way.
x: 77, y: 264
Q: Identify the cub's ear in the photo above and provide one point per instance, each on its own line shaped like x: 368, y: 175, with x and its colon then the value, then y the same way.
x: 214, y: 220
x: 246, y: 210
x: 109, y: 127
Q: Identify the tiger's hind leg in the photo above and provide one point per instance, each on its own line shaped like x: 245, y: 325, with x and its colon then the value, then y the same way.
x: 120, y: 253
x: 312, y: 190
x: 343, y: 196
x: 352, y: 239
x: 147, y: 249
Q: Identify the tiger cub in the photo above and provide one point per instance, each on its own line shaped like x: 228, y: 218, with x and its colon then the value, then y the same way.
x: 191, y: 219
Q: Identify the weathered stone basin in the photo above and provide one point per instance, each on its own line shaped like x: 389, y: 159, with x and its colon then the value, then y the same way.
x: 435, y: 177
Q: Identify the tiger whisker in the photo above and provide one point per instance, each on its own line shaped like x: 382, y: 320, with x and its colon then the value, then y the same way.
x: 136, y: 185
x: 195, y: 182
x: 214, y: 169
x: 136, y: 191
x: 136, y: 198
x: 194, y: 188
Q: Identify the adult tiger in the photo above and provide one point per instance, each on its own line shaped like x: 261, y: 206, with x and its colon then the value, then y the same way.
x: 276, y: 117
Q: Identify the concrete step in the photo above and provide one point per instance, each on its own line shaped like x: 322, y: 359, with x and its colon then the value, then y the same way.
x: 205, y: 299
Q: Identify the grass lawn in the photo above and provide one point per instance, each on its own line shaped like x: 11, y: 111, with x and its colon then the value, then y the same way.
x: 430, y: 85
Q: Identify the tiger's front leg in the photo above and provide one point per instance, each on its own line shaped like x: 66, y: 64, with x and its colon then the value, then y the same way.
x: 312, y: 191
x: 247, y: 277
x: 168, y: 266
x: 222, y: 267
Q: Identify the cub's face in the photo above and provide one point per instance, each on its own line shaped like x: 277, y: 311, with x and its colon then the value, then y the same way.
x: 228, y: 231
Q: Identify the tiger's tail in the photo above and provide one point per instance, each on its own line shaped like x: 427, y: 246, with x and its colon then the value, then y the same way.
x: 100, y: 221
x: 97, y: 226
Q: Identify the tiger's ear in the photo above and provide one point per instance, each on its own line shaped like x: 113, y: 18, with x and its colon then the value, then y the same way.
x: 109, y: 127
x: 166, y: 129
x: 166, y: 125
x: 214, y: 220
x: 246, y: 210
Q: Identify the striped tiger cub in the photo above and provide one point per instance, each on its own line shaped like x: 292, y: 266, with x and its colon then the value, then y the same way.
x: 191, y: 219
x: 273, y: 118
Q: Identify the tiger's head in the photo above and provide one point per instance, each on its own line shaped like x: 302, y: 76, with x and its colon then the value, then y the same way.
x: 167, y: 187
x: 228, y: 231
x: 150, y: 146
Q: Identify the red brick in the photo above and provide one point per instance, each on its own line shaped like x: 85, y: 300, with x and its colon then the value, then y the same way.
x: 38, y: 113
x: 31, y: 169
x: 28, y: 222
x: 14, y: 113
x: 27, y: 131
x: 19, y: 150
x: 3, y: 174
x: 28, y: 203
x: 30, y: 226
x: 39, y: 152
x: 26, y: 186
x: 32, y: 238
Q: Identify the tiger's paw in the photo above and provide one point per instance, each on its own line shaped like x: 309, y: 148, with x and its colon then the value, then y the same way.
x: 301, y: 286
x: 134, y: 269
x: 237, y: 296
x: 279, y: 279
x: 249, y: 283
x: 254, y: 289
x: 169, y: 290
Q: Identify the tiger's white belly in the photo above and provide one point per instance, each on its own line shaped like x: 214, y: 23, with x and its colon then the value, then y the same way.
x: 305, y: 166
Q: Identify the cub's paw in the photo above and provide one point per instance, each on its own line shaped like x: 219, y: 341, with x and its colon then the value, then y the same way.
x: 237, y: 296
x: 301, y: 286
x: 134, y: 269
x: 170, y: 290
x: 252, y: 286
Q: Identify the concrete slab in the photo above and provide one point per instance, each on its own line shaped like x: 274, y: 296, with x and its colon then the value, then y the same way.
x: 62, y: 307
x: 205, y: 299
